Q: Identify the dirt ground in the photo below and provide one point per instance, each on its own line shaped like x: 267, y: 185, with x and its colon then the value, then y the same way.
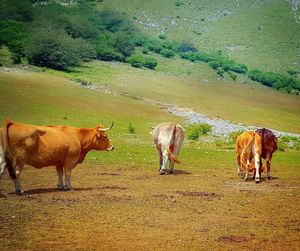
x: 134, y: 208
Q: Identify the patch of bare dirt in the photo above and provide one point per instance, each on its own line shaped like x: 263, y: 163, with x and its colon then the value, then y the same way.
x: 110, y: 174
x: 201, y: 194
x: 232, y: 238
x: 113, y: 187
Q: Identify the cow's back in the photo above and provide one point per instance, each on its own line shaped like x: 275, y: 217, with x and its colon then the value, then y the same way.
x: 41, y: 146
x: 248, y: 143
x: 162, y: 133
x: 268, y: 140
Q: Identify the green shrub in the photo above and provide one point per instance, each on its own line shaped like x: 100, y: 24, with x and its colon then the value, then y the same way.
x: 162, y: 36
x: 292, y: 72
x: 194, y: 131
x: 288, y: 143
x: 108, y: 54
x: 136, y: 60
x: 139, y: 61
x: 197, y: 32
x: 131, y: 129
x: 220, y: 72
x: 150, y: 63
x: 276, y: 80
x: 124, y: 44
x: 233, y: 135
x: 186, y: 46
x: 179, y: 3
x: 167, y: 53
x: 171, y: 45
x: 230, y: 65
x: 154, y: 46
x: 145, y: 51
x: 232, y: 75
x: 141, y: 40
x: 214, y: 64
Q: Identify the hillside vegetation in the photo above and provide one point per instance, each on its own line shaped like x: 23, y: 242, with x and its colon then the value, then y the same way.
x: 260, y: 34
x: 58, y: 36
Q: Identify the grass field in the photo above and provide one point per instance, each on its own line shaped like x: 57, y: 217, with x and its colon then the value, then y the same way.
x: 119, y: 202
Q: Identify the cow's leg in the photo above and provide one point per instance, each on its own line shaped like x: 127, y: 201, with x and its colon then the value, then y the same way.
x: 19, y: 190
x: 2, y: 160
x: 164, y: 161
x: 16, y: 172
x: 171, y: 166
x: 159, y: 153
x: 68, y: 179
x: 69, y: 165
x: 238, y: 162
x: 60, y: 172
x: 257, y: 168
x: 175, y: 152
x: 269, y: 158
x: 2, y: 166
x: 247, y: 170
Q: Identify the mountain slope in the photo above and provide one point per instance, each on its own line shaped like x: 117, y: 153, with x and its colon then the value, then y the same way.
x: 261, y: 34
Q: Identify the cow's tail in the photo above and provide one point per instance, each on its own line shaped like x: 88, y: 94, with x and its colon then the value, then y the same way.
x: 5, y: 142
x: 173, y: 157
x: 172, y: 136
x: 245, y: 148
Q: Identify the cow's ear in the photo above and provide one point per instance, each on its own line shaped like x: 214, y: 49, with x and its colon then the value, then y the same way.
x: 98, y: 134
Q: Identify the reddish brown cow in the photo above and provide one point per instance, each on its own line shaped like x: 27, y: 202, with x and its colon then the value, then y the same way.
x: 269, y: 146
x: 39, y: 146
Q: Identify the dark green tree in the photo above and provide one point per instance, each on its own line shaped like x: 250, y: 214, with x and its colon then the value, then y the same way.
x: 55, y: 49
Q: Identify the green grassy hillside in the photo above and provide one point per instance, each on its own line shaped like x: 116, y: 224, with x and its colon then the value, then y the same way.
x: 260, y: 34
x: 199, y: 90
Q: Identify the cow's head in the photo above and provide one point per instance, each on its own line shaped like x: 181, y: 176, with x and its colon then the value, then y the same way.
x: 101, y: 141
x: 272, y: 144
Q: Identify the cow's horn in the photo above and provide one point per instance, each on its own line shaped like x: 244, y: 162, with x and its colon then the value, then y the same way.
x: 106, y: 129
x: 277, y: 137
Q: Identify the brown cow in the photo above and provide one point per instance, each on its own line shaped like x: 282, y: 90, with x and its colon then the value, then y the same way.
x: 269, y: 146
x: 39, y: 146
x: 168, y: 138
x: 248, y: 145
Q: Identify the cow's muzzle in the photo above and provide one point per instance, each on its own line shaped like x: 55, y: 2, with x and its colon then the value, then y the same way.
x: 110, y: 148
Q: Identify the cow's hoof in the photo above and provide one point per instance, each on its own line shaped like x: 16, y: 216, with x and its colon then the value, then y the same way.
x: 270, y: 177
x: 257, y: 181
x: 171, y: 172
x: 19, y: 192
x: 68, y: 188
x: 162, y: 172
x: 60, y: 188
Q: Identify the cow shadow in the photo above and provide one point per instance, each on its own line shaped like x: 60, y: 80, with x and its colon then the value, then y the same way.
x: 262, y: 179
x: 54, y: 190
x: 267, y: 179
x: 181, y: 172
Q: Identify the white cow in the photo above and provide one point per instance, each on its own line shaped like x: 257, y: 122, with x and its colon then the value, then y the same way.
x: 168, y: 138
